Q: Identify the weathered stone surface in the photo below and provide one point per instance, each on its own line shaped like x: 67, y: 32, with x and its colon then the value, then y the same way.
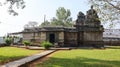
x: 92, y: 18
x: 89, y: 30
x: 61, y: 37
x: 28, y: 36
x: 80, y: 19
x: 43, y: 36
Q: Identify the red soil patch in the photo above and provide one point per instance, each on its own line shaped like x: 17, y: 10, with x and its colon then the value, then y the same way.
x: 40, y: 61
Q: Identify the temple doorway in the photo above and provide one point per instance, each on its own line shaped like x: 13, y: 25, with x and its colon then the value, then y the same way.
x: 52, y: 38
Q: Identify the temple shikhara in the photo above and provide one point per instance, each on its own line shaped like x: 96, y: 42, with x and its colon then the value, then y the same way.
x: 87, y: 31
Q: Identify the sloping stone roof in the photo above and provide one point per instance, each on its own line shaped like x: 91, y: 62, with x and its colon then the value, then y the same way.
x: 38, y: 29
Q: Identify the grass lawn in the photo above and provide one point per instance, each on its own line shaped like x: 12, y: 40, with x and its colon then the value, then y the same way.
x: 12, y: 53
x: 109, y: 57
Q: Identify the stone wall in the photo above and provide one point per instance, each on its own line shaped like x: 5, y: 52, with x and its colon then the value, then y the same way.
x: 42, y: 36
x: 61, y: 36
x: 70, y: 39
x: 27, y: 36
x: 61, y: 39
x: 93, y: 36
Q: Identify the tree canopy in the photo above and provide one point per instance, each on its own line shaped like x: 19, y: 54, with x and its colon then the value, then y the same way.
x: 12, y: 4
x: 63, y: 18
x: 46, y: 22
x: 109, y: 10
x: 31, y: 24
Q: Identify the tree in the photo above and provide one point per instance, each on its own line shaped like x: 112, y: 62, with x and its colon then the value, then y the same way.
x: 109, y: 10
x: 62, y: 17
x: 32, y: 24
x: 45, y: 23
x: 12, y: 4
x: 26, y: 26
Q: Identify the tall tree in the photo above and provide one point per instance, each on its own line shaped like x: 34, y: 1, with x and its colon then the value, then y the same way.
x: 62, y: 17
x: 26, y: 26
x: 45, y: 23
x: 33, y: 24
x: 12, y: 4
x: 109, y: 10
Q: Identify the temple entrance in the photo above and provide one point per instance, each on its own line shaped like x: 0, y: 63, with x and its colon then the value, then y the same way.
x: 52, y: 38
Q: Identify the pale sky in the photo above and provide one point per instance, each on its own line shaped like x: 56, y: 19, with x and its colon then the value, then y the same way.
x: 35, y: 11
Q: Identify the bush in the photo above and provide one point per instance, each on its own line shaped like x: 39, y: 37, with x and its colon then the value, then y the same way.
x: 8, y: 41
x: 26, y: 43
x: 46, y: 44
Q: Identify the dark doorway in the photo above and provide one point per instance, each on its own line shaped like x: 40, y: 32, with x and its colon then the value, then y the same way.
x: 52, y: 38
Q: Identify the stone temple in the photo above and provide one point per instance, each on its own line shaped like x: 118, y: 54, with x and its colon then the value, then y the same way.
x: 86, y: 32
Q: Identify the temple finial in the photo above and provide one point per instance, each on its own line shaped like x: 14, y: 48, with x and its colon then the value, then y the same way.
x: 91, y: 6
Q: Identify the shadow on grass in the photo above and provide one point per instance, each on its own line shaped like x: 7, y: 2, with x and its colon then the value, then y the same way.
x: 112, y: 47
x: 5, y: 59
x: 78, y: 62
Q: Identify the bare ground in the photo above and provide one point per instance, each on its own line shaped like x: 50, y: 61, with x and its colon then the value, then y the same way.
x: 40, y: 61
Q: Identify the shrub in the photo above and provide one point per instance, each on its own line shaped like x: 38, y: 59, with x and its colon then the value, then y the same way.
x: 26, y: 43
x: 46, y: 44
x: 8, y: 41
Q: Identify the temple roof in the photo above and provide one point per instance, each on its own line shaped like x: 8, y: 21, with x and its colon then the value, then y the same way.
x: 49, y: 28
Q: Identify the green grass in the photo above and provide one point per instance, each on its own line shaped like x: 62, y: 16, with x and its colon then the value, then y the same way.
x: 12, y: 53
x: 109, y: 57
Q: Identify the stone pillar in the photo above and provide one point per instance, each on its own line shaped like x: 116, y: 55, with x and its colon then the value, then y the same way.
x: 61, y: 38
x: 43, y: 36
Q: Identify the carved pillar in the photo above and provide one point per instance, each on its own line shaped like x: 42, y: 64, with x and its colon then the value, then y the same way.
x: 61, y: 38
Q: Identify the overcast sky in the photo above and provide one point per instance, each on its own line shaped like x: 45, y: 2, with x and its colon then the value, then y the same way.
x: 35, y: 11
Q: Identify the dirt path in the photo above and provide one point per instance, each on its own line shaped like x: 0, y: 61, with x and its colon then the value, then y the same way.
x: 40, y: 61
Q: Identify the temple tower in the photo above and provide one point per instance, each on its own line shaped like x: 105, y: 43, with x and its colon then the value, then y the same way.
x: 90, y: 31
x: 79, y: 27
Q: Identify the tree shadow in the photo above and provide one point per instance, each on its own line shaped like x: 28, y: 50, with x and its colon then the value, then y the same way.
x: 78, y: 62
x: 113, y: 47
